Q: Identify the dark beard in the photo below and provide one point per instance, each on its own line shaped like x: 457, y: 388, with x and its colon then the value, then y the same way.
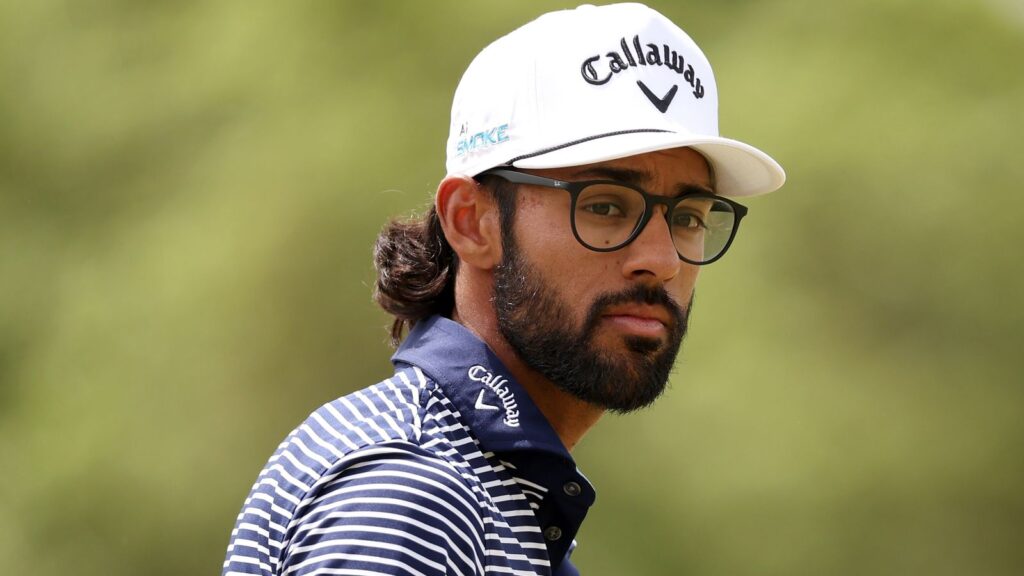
x: 540, y: 329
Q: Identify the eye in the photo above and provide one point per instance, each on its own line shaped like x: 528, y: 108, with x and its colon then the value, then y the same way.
x: 687, y: 221
x: 610, y: 204
x: 605, y: 208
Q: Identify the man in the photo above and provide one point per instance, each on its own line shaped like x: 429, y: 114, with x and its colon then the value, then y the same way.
x: 550, y: 282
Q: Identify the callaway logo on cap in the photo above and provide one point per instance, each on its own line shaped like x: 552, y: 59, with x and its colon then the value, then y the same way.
x: 593, y: 84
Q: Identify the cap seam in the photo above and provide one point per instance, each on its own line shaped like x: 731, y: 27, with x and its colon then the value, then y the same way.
x: 587, y: 139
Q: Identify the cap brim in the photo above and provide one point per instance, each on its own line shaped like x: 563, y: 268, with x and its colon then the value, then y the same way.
x: 740, y: 169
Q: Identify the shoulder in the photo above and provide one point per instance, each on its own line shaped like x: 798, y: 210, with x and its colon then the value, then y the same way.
x: 393, y: 500
x: 389, y: 508
x: 389, y: 410
x: 360, y: 476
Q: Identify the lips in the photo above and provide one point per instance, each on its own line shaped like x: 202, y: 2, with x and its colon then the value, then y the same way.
x: 640, y: 320
x: 640, y: 312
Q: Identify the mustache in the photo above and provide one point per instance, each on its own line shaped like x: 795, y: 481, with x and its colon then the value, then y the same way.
x: 640, y: 294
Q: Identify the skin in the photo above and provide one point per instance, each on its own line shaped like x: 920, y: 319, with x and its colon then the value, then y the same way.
x: 469, y: 217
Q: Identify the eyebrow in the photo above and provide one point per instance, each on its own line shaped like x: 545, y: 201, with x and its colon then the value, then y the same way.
x: 637, y: 178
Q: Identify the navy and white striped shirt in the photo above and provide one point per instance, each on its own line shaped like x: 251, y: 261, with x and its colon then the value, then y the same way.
x: 447, y: 467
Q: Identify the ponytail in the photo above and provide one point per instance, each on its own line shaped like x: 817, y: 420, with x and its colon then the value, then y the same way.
x: 415, y: 271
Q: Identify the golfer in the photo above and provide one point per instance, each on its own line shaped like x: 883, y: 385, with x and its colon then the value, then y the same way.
x: 549, y: 283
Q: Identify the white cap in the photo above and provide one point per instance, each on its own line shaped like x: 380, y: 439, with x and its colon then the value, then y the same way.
x: 592, y: 84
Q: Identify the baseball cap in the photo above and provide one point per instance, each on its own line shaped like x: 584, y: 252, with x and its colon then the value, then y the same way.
x: 592, y: 84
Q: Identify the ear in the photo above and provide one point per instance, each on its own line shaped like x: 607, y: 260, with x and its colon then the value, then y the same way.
x: 469, y: 217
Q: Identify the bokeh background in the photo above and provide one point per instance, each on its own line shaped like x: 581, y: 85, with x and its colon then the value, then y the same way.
x: 188, y: 196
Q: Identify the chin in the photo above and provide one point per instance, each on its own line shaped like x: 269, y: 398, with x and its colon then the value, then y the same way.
x: 644, y: 345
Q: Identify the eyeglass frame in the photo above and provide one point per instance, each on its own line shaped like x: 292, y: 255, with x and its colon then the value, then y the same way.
x: 650, y: 201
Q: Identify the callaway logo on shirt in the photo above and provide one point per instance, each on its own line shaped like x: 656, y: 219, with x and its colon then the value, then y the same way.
x: 496, y: 383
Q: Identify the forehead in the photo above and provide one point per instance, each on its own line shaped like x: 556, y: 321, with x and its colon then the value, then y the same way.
x: 663, y: 169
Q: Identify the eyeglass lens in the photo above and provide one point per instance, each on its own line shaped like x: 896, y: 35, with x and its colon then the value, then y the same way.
x: 606, y: 216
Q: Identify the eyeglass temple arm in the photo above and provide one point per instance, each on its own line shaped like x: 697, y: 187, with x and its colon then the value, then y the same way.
x: 517, y: 177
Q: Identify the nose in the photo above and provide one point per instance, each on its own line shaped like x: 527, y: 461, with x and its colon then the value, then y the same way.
x: 652, y: 253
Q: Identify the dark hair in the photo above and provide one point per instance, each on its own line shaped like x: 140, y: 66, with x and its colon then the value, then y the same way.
x: 416, y: 266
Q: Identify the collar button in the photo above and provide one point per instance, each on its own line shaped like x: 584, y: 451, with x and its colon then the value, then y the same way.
x: 572, y: 489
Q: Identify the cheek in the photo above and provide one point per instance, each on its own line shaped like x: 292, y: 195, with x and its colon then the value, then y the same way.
x: 681, y: 287
x: 545, y: 239
x: 543, y: 230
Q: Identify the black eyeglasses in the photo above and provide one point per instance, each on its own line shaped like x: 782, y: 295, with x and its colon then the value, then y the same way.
x: 607, y: 215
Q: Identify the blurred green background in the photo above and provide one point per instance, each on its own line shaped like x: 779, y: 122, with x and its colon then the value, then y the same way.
x: 188, y: 197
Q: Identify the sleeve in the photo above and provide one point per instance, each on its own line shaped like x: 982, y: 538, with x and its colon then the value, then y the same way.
x: 387, y: 509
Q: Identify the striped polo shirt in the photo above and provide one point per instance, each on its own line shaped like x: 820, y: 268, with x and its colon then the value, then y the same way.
x: 447, y: 467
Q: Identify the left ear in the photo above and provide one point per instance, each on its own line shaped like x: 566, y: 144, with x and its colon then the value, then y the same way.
x: 469, y: 218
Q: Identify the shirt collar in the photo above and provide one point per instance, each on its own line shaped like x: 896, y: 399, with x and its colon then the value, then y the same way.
x: 492, y: 403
